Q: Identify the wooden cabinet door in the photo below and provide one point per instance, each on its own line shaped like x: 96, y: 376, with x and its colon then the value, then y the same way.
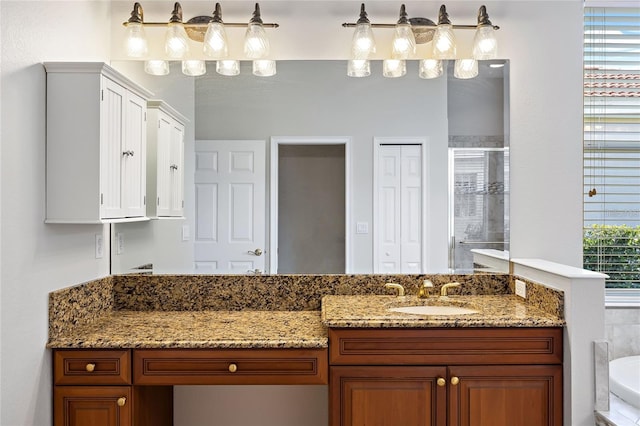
x: 387, y: 396
x: 523, y: 395
x: 92, y: 406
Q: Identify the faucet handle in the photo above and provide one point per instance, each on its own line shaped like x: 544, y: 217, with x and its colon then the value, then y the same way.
x: 444, y: 288
x: 397, y: 287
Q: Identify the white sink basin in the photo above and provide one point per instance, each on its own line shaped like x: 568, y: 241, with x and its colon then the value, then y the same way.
x: 434, y: 310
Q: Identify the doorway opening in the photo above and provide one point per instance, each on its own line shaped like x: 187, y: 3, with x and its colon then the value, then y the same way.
x: 309, y: 205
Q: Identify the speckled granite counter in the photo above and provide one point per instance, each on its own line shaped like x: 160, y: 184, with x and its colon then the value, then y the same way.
x: 198, y: 329
x: 205, y: 311
x: 493, y: 311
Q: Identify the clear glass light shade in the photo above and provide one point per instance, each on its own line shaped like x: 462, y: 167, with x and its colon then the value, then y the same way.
x: 136, y: 41
x: 430, y: 68
x: 264, y: 67
x: 176, y: 43
x: 229, y: 67
x: 215, y: 41
x: 363, y: 43
x: 404, y: 42
x: 256, y: 43
x: 393, y: 68
x: 156, y: 67
x: 194, y: 68
x: 485, y: 45
x: 465, y: 68
x: 359, y: 68
x: 444, y: 42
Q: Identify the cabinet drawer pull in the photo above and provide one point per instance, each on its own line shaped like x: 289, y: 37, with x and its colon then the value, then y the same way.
x: 121, y: 401
x: 441, y: 381
x: 455, y: 380
x: 90, y: 367
x: 233, y: 368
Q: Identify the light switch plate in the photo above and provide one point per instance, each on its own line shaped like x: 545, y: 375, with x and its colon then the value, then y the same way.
x: 99, y: 246
x: 362, y: 227
x: 521, y: 289
x: 119, y: 243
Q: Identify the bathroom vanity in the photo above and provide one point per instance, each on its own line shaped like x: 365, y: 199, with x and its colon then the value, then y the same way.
x: 120, y: 344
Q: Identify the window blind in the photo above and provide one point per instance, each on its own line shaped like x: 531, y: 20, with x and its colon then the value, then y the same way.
x: 612, y: 144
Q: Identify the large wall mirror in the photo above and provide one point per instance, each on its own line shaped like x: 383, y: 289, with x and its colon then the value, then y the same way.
x: 361, y: 175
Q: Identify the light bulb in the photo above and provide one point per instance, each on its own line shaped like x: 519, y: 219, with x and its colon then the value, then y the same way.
x: 194, y: 67
x: 358, y: 68
x: 404, y: 42
x: 156, y: 67
x: 215, y: 41
x: 176, y: 42
x: 363, y: 43
x: 228, y: 67
x: 264, y: 67
x: 444, y: 42
x: 465, y: 68
x: 430, y: 68
x: 256, y: 43
x: 136, y: 40
x: 393, y: 68
x: 485, y: 45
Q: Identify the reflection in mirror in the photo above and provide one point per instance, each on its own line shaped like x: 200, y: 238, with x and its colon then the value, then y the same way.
x: 316, y: 99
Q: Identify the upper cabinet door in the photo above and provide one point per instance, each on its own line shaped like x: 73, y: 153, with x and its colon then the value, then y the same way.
x: 134, y: 156
x: 112, y: 146
x: 165, y: 160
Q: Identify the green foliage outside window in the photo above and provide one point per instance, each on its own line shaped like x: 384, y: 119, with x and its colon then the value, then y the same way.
x: 615, y: 251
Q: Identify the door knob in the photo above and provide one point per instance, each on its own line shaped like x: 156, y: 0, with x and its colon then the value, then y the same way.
x: 455, y: 380
x: 90, y: 367
x: 441, y: 382
x: 121, y: 401
x: 257, y: 252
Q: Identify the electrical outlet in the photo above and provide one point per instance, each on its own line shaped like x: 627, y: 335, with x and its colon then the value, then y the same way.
x: 521, y: 289
x: 99, y: 246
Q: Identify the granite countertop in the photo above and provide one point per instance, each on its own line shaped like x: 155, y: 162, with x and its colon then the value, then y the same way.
x: 493, y: 311
x: 198, y: 329
x: 243, y: 312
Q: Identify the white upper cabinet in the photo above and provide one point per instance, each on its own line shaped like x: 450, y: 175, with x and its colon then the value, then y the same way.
x: 165, y: 160
x: 96, y: 144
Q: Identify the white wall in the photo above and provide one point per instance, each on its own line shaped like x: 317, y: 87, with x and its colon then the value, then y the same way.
x: 37, y: 258
x: 542, y: 39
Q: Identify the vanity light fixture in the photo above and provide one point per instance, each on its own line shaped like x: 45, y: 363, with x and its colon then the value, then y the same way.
x: 404, y: 41
x: 441, y: 35
x: 363, y: 43
x: 209, y: 30
x: 264, y: 67
x: 465, y: 68
x: 228, y: 67
x: 359, y: 68
x: 393, y: 68
x: 444, y: 39
x: 156, y: 67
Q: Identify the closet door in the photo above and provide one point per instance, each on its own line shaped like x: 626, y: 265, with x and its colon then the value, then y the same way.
x: 399, y: 232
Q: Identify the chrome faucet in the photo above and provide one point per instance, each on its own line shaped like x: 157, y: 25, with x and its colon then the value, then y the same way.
x: 444, y: 288
x: 397, y: 287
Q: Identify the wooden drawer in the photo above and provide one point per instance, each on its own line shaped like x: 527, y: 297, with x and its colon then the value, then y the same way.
x: 91, y: 367
x: 445, y: 346
x: 241, y: 366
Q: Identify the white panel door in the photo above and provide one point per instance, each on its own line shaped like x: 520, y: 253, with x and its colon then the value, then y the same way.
x: 230, y: 206
x: 399, y: 237
x: 134, y: 156
x: 112, y: 129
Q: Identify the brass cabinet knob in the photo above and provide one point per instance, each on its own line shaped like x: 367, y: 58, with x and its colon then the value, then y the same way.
x: 121, y: 401
x: 90, y: 367
x: 455, y: 380
x: 233, y: 368
x: 441, y: 381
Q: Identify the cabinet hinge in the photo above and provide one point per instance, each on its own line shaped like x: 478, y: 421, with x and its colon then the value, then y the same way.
x: 145, y: 116
x: 102, y: 95
x: 101, y: 198
x: 144, y: 200
x: 158, y: 200
x: 182, y: 203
